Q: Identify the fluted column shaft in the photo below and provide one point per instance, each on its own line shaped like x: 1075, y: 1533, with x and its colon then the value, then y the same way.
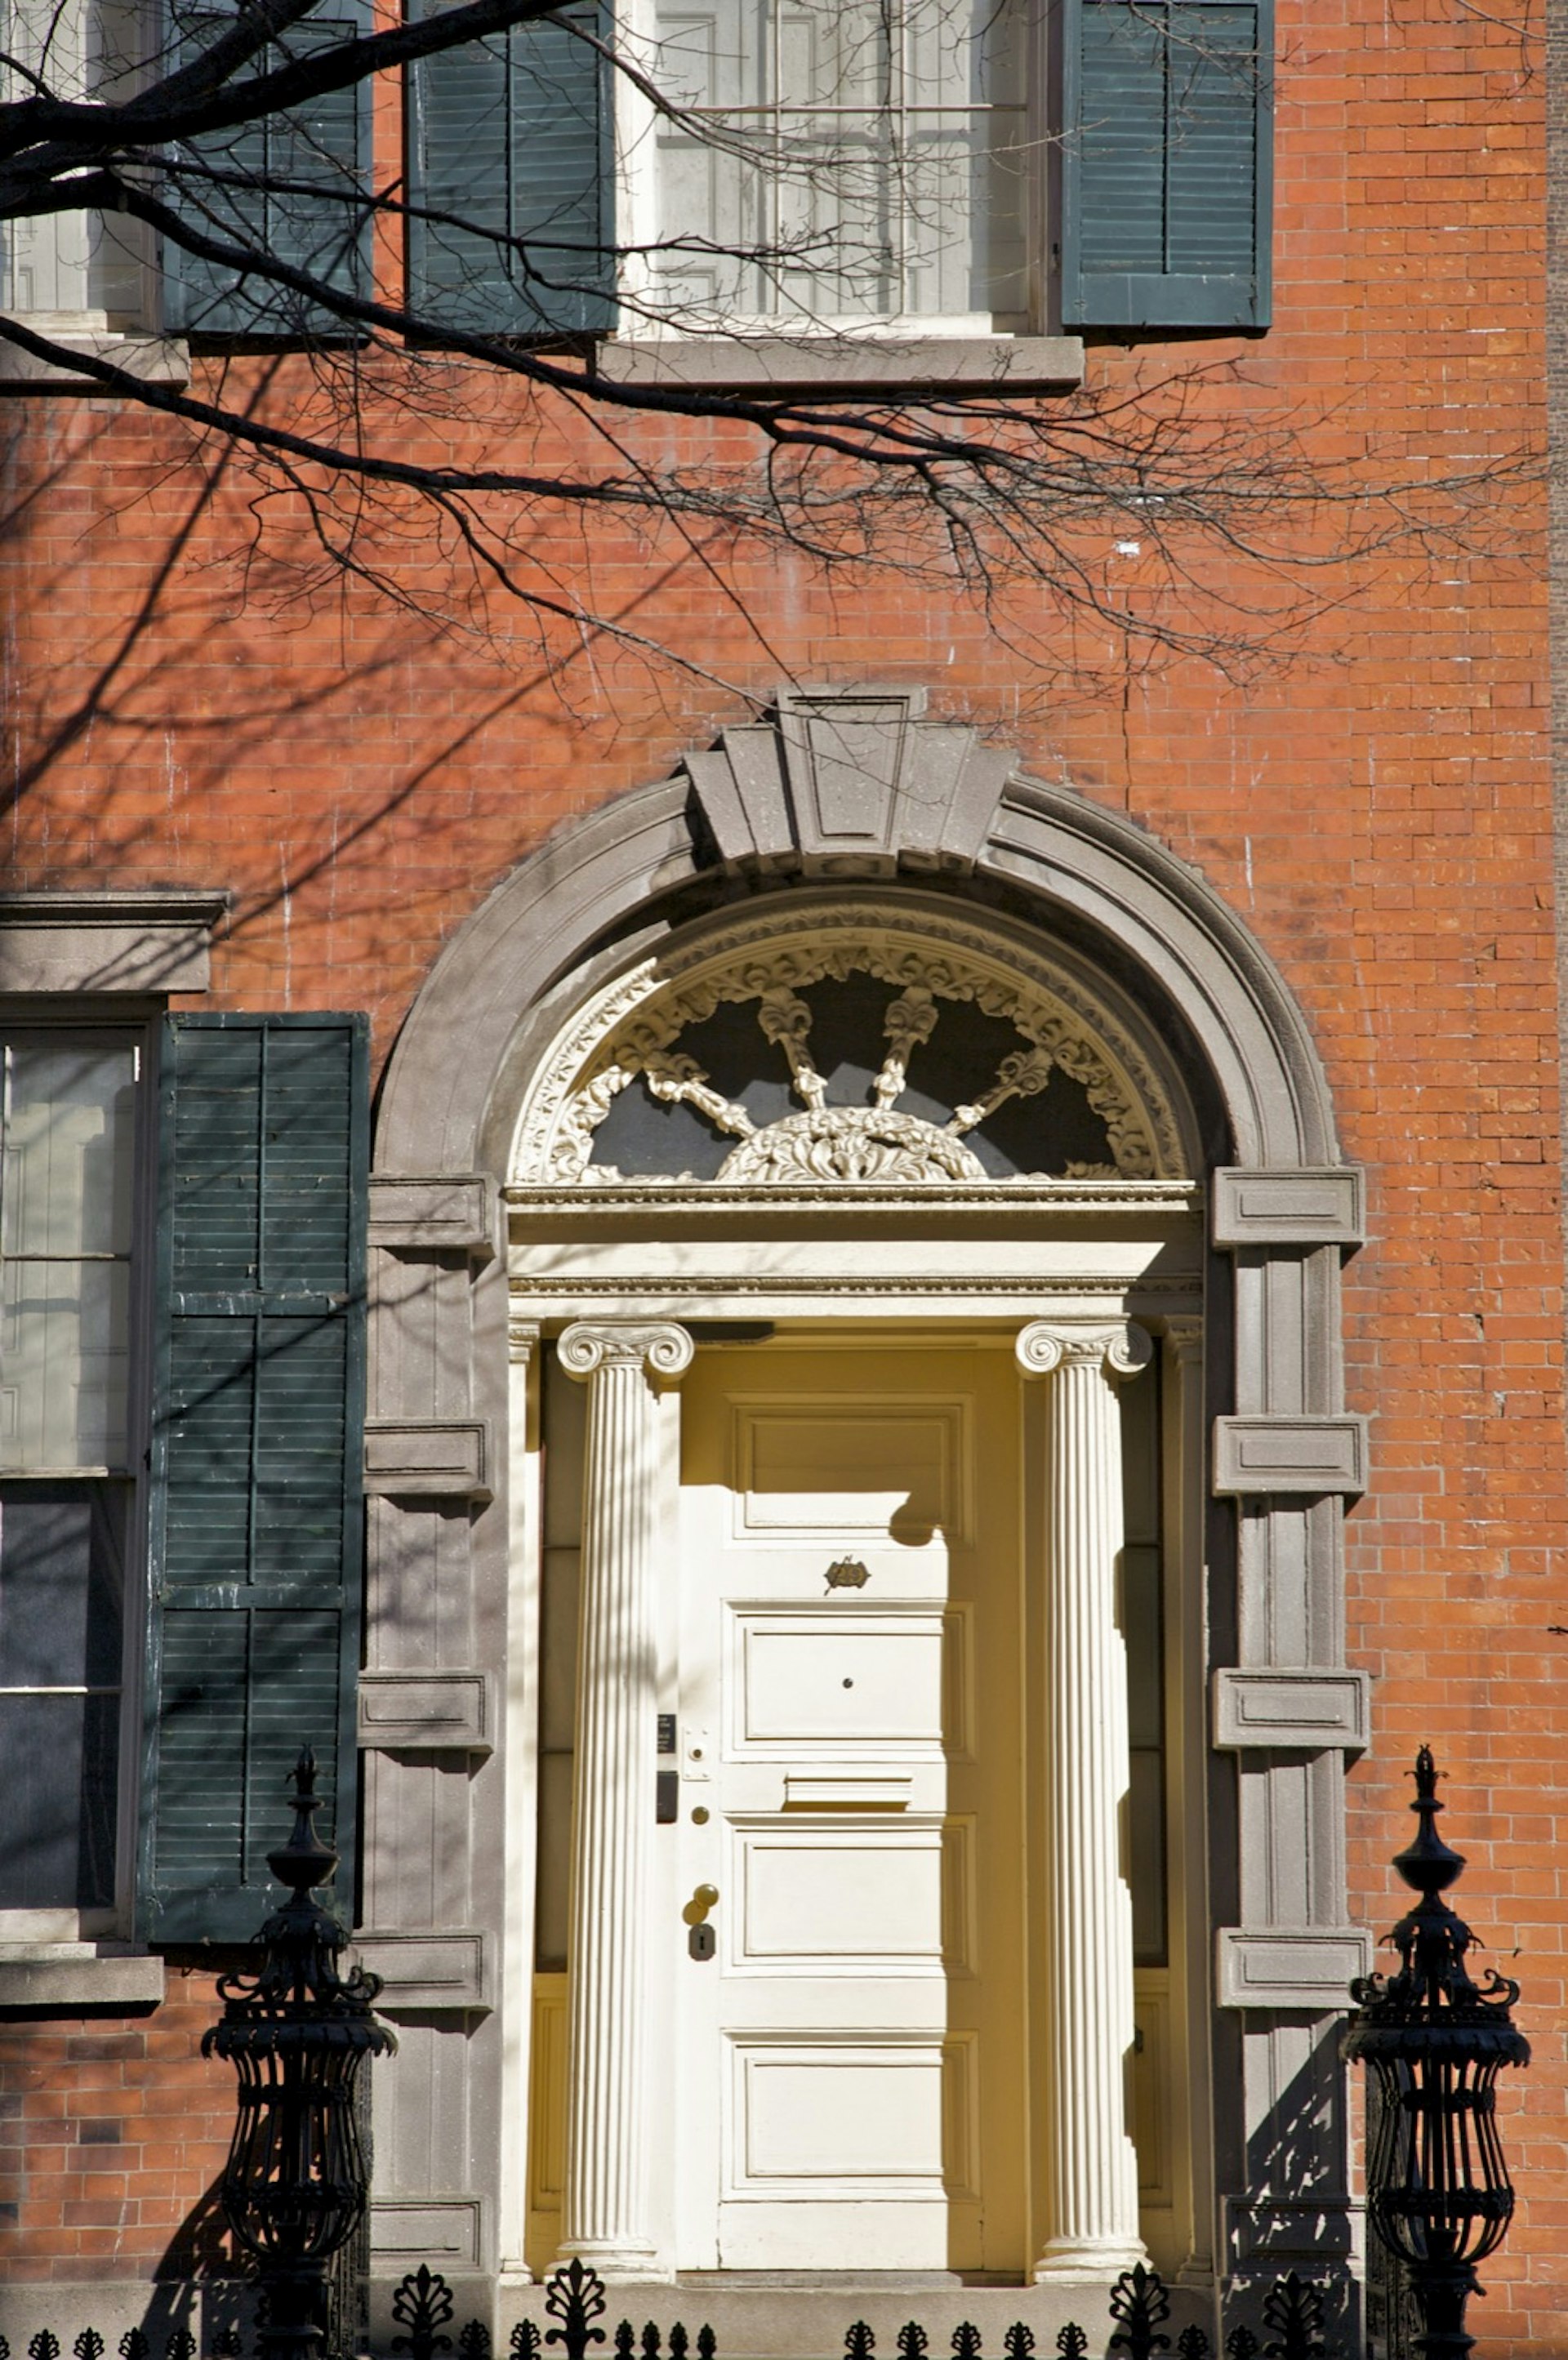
x: 1092, y: 2217
x: 606, y: 2213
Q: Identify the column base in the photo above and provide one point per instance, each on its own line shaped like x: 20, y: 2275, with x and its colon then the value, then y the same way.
x: 614, y: 2262
x: 1089, y: 2261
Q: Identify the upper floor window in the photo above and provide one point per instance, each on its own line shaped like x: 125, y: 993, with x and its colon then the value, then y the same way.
x: 841, y: 163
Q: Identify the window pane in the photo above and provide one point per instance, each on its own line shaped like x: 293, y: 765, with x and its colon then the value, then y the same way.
x: 69, y: 1140
x: 63, y: 1364
x: 838, y: 212
x: 61, y: 1584
x: 58, y: 1758
x: 842, y: 55
x: 62, y: 1620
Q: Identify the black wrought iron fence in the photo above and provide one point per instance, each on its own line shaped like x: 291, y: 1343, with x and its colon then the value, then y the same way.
x: 1291, y: 2326
x: 299, y: 2030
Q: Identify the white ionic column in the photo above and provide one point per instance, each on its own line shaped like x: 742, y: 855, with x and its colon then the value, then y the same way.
x: 1092, y: 2215
x: 605, y: 2213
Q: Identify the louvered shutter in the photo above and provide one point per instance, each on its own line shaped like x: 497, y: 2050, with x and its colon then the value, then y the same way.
x: 254, y: 1535
x: 294, y: 175
x: 1166, y: 163
x: 510, y: 135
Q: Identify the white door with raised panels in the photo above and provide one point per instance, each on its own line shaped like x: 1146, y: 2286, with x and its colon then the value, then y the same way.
x: 850, y: 2059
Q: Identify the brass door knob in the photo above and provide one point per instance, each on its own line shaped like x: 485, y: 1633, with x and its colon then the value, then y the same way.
x: 703, y: 1899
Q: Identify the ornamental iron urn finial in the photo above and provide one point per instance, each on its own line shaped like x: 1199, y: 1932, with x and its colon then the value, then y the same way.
x: 1433, y: 2040
x: 297, y: 2033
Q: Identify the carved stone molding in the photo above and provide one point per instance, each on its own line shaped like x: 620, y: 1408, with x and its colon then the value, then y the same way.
x: 850, y: 1143
x: 639, y: 1031
x: 850, y: 782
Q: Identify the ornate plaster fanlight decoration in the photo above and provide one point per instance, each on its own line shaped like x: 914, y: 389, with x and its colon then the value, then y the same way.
x: 851, y: 1039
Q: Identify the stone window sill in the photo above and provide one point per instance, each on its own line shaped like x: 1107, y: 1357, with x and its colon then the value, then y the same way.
x: 156, y: 360
x: 845, y: 365
x: 69, y: 1975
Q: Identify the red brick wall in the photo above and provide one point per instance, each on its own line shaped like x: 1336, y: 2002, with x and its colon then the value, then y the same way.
x: 1375, y: 800
x: 112, y: 2132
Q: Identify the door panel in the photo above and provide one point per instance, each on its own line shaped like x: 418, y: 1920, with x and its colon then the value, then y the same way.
x: 851, y: 2058
x: 837, y: 1680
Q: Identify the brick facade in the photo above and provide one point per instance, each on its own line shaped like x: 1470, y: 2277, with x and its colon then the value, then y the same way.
x: 115, y: 2128
x: 1373, y: 797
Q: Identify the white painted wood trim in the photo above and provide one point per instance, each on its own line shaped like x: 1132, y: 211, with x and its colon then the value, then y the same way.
x: 606, y: 2215
x: 1092, y: 2203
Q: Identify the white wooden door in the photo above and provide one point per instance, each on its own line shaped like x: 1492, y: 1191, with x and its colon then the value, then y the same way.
x: 850, y: 2060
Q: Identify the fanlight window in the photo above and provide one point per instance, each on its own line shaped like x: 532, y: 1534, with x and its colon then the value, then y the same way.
x: 853, y: 1053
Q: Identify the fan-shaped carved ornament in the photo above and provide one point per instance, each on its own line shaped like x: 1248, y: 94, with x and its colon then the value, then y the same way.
x: 855, y: 1042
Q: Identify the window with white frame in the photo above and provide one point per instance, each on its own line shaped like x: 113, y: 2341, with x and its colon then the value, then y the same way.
x: 81, y: 273
x: 837, y: 161
x: 68, y: 1222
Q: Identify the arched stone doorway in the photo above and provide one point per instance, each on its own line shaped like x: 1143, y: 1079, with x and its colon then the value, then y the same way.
x: 563, y: 1036
x: 884, y: 1170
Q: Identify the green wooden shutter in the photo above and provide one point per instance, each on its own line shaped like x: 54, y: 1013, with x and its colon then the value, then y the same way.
x: 1166, y: 163
x: 512, y: 135
x: 321, y: 148
x: 255, y: 1541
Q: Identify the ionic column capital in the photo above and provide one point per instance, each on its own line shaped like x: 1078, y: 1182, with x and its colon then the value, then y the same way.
x: 661, y: 1350
x: 1120, y: 1348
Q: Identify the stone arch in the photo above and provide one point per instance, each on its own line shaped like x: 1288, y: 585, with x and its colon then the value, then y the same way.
x: 1065, y: 856
x: 850, y: 785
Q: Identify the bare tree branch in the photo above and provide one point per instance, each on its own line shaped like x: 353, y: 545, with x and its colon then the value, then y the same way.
x: 1131, y: 503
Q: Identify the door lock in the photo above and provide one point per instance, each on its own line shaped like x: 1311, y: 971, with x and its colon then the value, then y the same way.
x: 701, y: 1940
